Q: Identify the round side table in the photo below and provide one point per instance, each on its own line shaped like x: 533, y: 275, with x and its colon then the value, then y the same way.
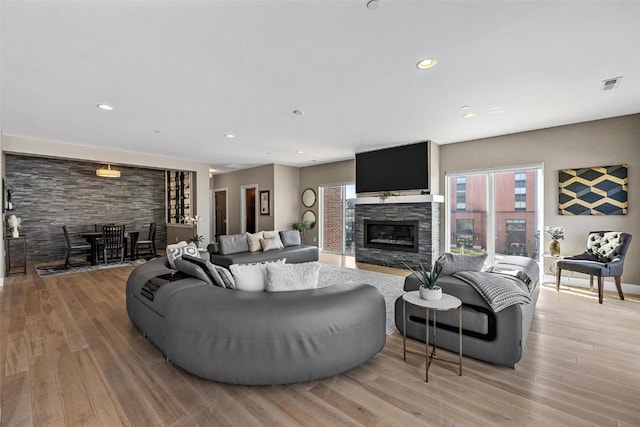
x: 446, y: 303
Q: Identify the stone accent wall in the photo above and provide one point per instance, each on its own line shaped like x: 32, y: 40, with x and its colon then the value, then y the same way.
x: 332, y: 219
x: 48, y: 193
x: 428, y: 216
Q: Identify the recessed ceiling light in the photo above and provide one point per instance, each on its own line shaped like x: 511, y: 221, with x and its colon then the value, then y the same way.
x: 230, y: 135
x: 156, y: 131
x: 298, y: 112
x: 426, y: 63
x: 105, y: 107
x: 300, y: 152
x: 469, y: 115
x: 464, y: 107
x: 373, y: 4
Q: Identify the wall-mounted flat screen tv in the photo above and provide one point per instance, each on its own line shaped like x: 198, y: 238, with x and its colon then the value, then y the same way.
x: 405, y: 167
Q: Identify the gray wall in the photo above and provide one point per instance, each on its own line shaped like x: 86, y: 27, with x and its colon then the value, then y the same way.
x: 48, y: 193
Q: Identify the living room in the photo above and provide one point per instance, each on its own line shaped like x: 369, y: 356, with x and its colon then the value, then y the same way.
x: 69, y: 354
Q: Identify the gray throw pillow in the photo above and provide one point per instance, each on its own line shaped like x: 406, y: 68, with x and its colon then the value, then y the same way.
x: 290, y: 238
x: 226, y: 276
x: 192, y: 270
x: 233, y: 244
x: 452, y: 263
x: 207, y: 267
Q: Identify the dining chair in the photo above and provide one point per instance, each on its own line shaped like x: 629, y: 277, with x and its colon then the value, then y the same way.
x: 112, y: 241
x: 83, y: 249
x: 150, y: 243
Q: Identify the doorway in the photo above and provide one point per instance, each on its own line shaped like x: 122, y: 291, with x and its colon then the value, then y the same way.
x: 221, y: 212
x: 248, y: 208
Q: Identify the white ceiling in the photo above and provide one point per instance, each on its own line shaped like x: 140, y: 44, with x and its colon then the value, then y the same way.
x: 182, y: 74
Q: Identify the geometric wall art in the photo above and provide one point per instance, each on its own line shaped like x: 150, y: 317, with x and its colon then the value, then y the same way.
x: 593, y: 191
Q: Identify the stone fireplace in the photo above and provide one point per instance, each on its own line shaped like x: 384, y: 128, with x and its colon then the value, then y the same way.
x: 405, y: 229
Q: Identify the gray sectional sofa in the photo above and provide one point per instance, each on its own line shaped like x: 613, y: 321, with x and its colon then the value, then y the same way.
x: 255, y: 338
x: 234, y: 249
x: 497, y: 338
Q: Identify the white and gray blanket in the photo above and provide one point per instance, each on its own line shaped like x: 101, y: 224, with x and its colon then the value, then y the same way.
x: 498, y: 290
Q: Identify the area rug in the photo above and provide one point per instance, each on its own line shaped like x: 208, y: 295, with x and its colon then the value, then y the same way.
x: 388, y: 285
x: 77, y: 267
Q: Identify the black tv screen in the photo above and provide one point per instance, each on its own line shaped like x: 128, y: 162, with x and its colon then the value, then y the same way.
x: 405, y: 167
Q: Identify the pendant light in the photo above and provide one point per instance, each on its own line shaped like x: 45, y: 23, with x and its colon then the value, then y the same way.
x: 108, y: 172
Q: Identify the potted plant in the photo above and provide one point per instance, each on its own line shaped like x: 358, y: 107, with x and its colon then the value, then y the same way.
x: 193, y: 221
x: 383, y: 196
x: 14, y: 225
x: 302, y: 226
x: 428, y: 277
x: 196, y: 239
x: 555, y: 234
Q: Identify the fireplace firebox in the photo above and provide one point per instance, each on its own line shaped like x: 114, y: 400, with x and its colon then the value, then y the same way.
x: 391, y: 235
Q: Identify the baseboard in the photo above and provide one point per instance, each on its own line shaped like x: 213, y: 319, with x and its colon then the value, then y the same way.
x: 579, y: 282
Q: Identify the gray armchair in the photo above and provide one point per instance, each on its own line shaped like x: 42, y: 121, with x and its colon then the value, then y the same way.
x: 604, y: 257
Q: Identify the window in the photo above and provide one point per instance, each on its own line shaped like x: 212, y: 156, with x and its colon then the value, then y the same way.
x: 337, y: 220
x: 520, y: 191
x: 461, y: 193
x: 502, y: 214
x: 463, y: 235
x: 516, y: 237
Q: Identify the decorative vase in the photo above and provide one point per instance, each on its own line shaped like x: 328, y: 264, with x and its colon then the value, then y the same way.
x: 430, y: 294
x: 16, y: 233
x: 554, y: 248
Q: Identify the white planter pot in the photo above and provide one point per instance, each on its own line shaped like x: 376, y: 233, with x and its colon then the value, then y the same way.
x: 431, y: 294
x: 16, y: 233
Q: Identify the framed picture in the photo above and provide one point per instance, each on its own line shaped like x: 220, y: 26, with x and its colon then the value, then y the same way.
x: 600, y: 190
x: 264, y: 203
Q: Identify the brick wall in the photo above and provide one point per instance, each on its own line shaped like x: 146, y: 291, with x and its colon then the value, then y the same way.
x: 48, y: 193
x: 332, y: 219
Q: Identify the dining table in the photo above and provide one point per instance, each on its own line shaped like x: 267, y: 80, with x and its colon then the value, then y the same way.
x: 131, y: 238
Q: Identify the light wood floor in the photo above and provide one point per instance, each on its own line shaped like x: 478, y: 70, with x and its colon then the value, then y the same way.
x: 70, y: 356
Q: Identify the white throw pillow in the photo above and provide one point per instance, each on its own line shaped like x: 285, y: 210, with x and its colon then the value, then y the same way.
x: 271, y: 243
x: 292, y: 277
x: 251, y: 277
x: 254, y: 241
x: 270, y: 234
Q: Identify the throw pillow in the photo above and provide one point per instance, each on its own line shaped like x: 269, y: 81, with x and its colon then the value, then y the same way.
x: 192, y: 270
x: 251, y: 277
x: 176, y: 251
x: 207, y: 267
x: 271, y: 244
x: 254, y: 241
x: 270, y: 234
x: 292, y: 277
x: 452, y: 263
x: 226, y: 277
x: 233, y: 244
x: 290, y: 238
